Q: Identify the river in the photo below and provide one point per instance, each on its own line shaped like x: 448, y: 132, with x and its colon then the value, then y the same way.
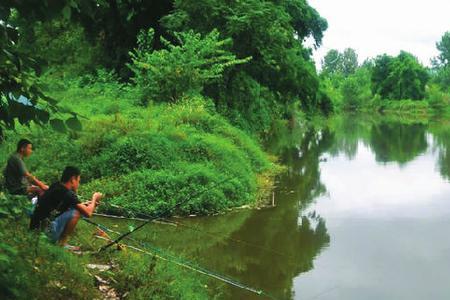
x: 362, y: 212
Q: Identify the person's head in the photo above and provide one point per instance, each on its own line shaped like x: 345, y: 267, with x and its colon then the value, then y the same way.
x: 24, y: 147
x: 71, y: 177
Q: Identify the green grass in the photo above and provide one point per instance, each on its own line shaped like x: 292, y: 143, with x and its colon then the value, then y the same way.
x: 32, y: 267
x: 148, y: 159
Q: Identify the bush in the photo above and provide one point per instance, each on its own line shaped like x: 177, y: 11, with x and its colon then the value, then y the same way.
x: 146, y: 166
x: 356, y: 92
x: 437, y: 99
x: 407, y: 106
x: 169, y: 74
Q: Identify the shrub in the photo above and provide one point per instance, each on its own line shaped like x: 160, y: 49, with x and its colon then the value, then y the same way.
x: 437, y: 99
x: 169, y: 74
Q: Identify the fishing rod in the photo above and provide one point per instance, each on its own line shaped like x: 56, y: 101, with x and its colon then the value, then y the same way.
x: 197, y: 229
x: 158, y: 253
x: 158, y: 217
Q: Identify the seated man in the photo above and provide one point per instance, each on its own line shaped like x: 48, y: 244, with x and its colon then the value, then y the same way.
x: 61, y: 197
x: 18, y: 181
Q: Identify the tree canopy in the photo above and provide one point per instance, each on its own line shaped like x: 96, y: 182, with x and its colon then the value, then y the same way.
x: 400, y: 77
x: 280, y: 77
x: 442, y: 62
x: 21, y: 97
x: 335, y: 62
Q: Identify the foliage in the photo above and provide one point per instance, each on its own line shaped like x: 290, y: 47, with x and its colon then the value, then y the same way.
x: 168, y: 75
x: 437, y: 99
x: 176, y: 147
x: 441, y: 63
x: 145, y: 277
x: 345, y: 63
x: 443, y: 47
x: 21, y: 97
x: 331, y: 63
x: 39, y: 269
x: 154, y: 166
x: 401, y: 77
x: 61, y: 45
x: 332, y: 89
x: 406, y: 106
x: 355, y: 90
x: 281, y: 72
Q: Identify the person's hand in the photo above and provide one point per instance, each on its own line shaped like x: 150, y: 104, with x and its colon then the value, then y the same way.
x: 45, y: 187
x: 97, y: 197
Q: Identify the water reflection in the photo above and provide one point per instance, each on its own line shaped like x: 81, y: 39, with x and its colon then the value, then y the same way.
x: 360, y: 213
x: 386, y: 212
x: 297, y: 238
x: 394, y: 142
x: 277, y: 244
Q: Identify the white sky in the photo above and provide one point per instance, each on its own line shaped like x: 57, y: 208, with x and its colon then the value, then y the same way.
x: 383, y: 26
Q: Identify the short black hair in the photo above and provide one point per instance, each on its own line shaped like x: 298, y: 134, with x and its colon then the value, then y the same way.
x: 69, y: 172
x: 22, y: 143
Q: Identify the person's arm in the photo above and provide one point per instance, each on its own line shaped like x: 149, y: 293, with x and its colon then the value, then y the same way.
x: 36, y: 181
x: 87, y: 209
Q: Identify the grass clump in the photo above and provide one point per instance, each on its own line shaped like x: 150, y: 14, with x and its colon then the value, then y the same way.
x: 172, y: 153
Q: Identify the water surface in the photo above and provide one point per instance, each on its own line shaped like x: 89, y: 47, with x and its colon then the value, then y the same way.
x: 362, y: 212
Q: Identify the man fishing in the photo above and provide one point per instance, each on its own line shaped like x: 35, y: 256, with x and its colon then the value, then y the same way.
x: 18, y: 181
x: 61, y: 197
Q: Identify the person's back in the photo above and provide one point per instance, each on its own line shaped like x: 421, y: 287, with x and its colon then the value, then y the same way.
x: 56, y: 199
x: 62, y: 197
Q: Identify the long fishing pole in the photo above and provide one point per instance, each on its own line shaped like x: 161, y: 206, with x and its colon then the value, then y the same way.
x: 157, y: 217
x: 197, y: 229
x: 186, y: 264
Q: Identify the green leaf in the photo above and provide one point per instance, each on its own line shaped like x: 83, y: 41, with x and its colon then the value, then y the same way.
x: 58, y: 125
x: 74, y: 124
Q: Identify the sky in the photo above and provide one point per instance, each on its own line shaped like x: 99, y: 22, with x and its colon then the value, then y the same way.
x: 383, y: 26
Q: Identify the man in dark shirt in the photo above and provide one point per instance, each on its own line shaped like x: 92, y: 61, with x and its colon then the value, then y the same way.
x: 61, y: 198
x: 18, y: 181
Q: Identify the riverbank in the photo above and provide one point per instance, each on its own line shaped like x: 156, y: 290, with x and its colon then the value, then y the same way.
x: 31, y: 266
x: 161, y: 159
x: 149, y: 159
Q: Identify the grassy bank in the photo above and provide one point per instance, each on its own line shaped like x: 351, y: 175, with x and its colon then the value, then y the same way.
x: 148, y: 159
x: 144, y: 159
x: 32, y: 267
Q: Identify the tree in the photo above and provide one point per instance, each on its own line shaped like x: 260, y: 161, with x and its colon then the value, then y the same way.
x: 444, y: 48
x: 271, y: 32
x: 356, y: 91
x: 441, y: 63
x: 169, y: 74
x: 331, y: 63
x: 345, y: 63
x: 401, y: 77
x: 349, y: 61
x: 21, y: 98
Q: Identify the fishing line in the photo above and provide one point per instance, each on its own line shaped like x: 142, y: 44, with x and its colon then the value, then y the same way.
x: 213, y: 234
x: 159, y: 253
x: 158, y: 217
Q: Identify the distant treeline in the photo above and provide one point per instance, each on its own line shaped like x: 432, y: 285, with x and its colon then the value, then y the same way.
x: 387, y: 82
